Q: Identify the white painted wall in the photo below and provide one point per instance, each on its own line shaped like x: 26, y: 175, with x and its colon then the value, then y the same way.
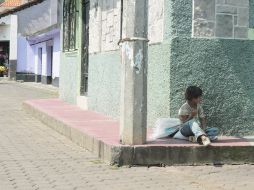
x: 30, y: 58
x: 29, y: 61
x: 6, y: 20
x: 39, y: 59
x: 5, y: 28
x: 38, y: 17
x: 22, y: 54
x: 34, y: 20
x: 4, y: 32
x: 26, y: 59
x: 105, y: 24
x: 155, y: 21
x: 44, y: 67
x: 56, y: 57
x: 13, y: 37
x: 43, y: 60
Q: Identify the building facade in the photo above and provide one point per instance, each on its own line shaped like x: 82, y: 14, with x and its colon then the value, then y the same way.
x: 39, y: 43
x: 8, y: 43
x: 192, y: 42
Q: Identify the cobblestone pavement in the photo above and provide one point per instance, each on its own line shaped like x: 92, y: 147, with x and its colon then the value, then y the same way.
x: 33, y: 156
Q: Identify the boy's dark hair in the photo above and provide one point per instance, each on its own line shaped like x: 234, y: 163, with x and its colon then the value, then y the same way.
x: 193, y: 92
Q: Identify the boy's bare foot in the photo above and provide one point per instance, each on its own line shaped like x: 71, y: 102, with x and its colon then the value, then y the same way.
x: 205, y: 140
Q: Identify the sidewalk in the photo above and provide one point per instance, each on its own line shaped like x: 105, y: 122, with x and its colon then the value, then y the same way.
x: 33, y: 85
x: 33, y: 156
x: 100, y: 134
x: 40, y: 86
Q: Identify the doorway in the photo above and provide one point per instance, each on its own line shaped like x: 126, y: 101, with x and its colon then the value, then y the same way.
x: 39, y: 66
x: 49, y: 68
x: 85, y: 47
x: 4, y: 57
x: 51, y: 64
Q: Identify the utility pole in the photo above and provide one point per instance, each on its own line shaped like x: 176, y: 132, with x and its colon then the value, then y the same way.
x: 133, y: 121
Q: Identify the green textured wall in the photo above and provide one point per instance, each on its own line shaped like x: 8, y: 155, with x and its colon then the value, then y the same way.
x: 105, y: 77
x: 251, y: 14
x: 104, y: 82
x: 69, y: 69
x: 70, y: 66
x: 158, y: 82
x: 224, y: 69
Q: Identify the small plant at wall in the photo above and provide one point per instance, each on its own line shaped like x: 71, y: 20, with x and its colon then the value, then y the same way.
x: 3, y: 71
x: 3, y: 65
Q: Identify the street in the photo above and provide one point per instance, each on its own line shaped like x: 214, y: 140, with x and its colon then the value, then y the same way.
x: 33, y: 156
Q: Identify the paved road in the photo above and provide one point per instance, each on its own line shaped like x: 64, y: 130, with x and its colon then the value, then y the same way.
x: 33, y: 156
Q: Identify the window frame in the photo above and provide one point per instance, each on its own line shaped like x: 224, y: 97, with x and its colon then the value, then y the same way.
x: 69, y: 25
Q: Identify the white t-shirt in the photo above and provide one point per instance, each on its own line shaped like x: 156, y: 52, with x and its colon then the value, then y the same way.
x: 186, y: 109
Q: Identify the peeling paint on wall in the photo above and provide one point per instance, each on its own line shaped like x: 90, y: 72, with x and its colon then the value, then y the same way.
x: 138, y: 61
x: 127, y: 51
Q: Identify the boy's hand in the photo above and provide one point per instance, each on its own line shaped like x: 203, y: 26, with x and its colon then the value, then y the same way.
x: 194, y: 113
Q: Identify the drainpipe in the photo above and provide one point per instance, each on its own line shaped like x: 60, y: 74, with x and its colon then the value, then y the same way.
x: 133, y: 119
x: 121, y: 23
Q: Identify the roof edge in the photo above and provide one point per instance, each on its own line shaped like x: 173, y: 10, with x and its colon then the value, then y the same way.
x: 21, y: 7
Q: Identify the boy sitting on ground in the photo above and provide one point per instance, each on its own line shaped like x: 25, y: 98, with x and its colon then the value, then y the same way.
x: 193, y: 120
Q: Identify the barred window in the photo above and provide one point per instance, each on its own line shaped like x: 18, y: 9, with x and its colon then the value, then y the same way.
x: 69, y: 25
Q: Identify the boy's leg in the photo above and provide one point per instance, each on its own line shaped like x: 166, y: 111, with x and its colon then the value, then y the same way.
x: 196, y: 129
x: 185, y: 132
x: 192, y: 128
x: 179, y: 135
x: 212, y: 133
x: 193, y: 131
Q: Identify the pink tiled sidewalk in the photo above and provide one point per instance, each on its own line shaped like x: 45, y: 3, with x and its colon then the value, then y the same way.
x: 106, y: 129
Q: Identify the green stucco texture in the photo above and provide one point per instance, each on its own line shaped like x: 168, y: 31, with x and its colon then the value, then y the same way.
x: 69, y: 75
x: 158, y: 89
x: 251, y: 13
x: 224, y: 70
x: 104, y: 83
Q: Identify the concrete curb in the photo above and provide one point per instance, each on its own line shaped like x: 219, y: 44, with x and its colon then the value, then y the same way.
x: 111, y: 154
x: 147, y: 155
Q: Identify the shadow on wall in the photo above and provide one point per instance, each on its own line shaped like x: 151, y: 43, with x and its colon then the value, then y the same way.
x: 224, y: 70
x: 35, y: 18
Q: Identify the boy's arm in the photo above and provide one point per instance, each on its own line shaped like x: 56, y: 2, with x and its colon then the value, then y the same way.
x: 202, y: 122
x: 185, y: 118
x: 202, y: 117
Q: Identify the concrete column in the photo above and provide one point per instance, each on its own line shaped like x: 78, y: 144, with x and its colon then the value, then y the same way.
x: 133, y: 121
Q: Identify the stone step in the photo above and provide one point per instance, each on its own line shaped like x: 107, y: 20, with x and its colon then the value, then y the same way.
x: 100, y: 134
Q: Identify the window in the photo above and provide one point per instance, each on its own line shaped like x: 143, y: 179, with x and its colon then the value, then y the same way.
x: 69, y: 25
